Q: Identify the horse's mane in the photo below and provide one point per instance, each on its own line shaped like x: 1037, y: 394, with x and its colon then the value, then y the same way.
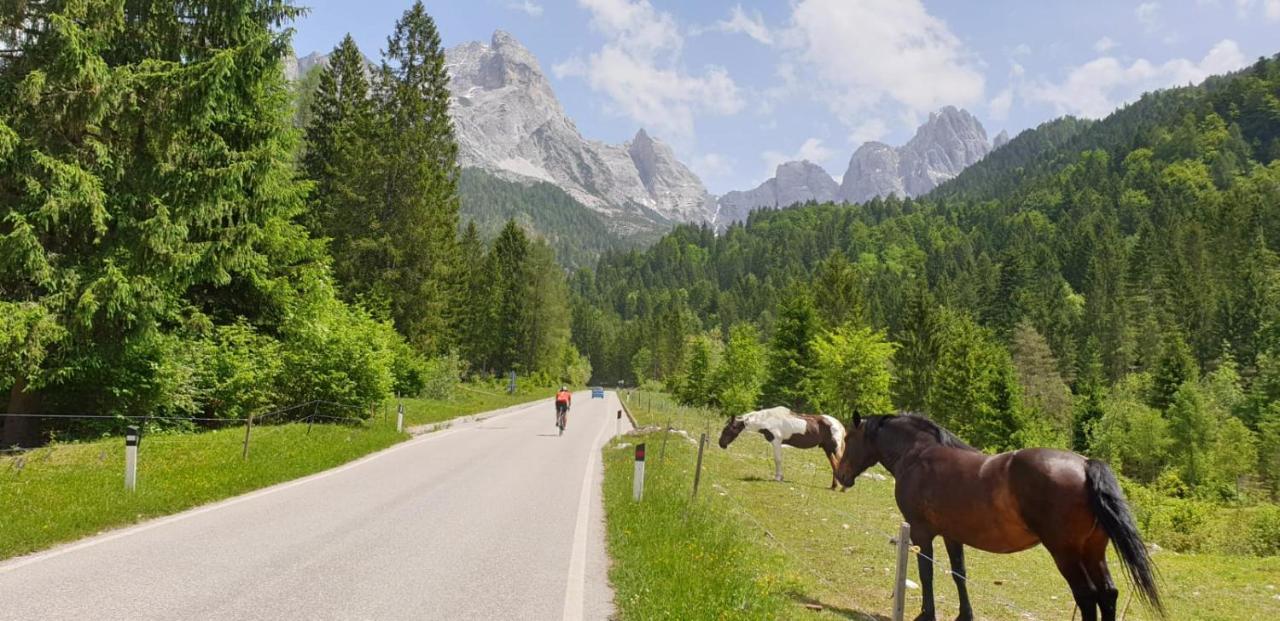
x: 921, y: 423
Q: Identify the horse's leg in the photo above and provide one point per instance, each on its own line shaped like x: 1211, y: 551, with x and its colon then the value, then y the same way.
x: 1095, y: 564
x: 1071, y: 566
x: 955, y: 550
x: 926, y: 576
x: 777, y: 459
x: 831, y: 457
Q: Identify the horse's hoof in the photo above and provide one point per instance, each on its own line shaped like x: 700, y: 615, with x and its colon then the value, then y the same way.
x: 926, y: 616
x: 965, y: 617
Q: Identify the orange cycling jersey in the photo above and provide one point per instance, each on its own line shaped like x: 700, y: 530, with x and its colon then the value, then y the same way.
x: 564, y: 397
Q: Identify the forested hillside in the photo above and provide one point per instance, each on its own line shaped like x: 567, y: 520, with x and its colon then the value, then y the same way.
x: 1110, y: 285
x: 172, y: 247
x: 577, y: 233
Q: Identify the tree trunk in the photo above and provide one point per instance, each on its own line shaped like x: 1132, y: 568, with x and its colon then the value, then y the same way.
x: 19, y: 430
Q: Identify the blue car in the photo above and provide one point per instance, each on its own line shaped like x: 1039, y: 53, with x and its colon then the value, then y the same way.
x: 597, y: 392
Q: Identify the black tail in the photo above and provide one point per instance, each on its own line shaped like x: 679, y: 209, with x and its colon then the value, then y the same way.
x: 1107, y: 501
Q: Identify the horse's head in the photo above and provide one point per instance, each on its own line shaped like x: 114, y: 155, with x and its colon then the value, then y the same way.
x: 731, y: 430
x: 860, y: 452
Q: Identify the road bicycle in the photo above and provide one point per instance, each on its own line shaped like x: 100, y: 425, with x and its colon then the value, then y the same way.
x: 561, y: 414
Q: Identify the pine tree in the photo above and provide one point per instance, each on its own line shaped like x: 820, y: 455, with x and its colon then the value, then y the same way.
x: 1037, y: 372
x: 418, y: 179
x: 510, y: 281
x: 974, y: 392
x: 148, y: 193
x: 790, y: 366
x: 473, y: 321
x: 1177, y: 367
x: 546, y: 310
x: 837, y: 292
x: 914, y: 361
x: 695, y: 387
x: 339, y: 155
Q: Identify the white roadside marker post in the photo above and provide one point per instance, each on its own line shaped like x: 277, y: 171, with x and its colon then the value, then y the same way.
x: 400, y: 418
x: 131, y: 458
x: 617, y: 430
x: 637, y: 481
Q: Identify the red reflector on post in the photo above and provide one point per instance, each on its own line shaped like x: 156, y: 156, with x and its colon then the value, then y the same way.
x: 639, y: 452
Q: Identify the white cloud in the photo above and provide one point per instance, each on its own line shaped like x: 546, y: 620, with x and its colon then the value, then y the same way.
x: 873, y: 129
x: 1101, y: 85
x: 812, y: 150
x: 1148, y: 15
x: 999, y: 106
x: 751, y: 24
x: 875, y: 52
x: 1103, y: 45
x: 1244, y: 8
x: 712, y: 166
x: 527, y: 6
x: 638, y: 70
x: 1022, y: 49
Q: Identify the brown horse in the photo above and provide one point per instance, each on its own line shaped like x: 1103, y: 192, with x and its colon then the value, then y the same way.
x: 1004, y: 503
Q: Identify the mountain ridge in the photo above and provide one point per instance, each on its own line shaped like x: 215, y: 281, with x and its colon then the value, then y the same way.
x: 950, y: 141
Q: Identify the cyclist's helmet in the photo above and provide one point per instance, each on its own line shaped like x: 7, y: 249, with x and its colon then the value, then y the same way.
x: 564, y: 388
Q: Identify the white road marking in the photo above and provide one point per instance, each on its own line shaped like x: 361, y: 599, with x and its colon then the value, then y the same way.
x: 156, y: 523
x: 575, y: 588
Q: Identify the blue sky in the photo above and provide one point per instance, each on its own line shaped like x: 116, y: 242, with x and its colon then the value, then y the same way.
x: 737, y: 87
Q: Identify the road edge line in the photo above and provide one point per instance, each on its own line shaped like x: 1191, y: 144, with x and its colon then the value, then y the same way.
x: 575, y: 589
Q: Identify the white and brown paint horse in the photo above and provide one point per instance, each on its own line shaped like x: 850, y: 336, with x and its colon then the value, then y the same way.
x: 781, y: 426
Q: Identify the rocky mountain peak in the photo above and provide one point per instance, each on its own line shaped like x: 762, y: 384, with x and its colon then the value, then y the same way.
x: 509, y: 122
x: 1000, y: 140
x: 950, y: 141
x: 947, y: 143
x: 793, y: 182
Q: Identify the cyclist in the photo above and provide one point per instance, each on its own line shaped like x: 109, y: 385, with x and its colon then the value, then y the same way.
x: 563, y: 399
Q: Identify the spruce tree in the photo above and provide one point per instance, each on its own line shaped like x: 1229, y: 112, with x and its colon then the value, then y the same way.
x: 148, y: 195
x: 418, y: 179
x: 790, y: 362
x: 507, y: 268
x: 837, y: 292
x: 473, y: 322
x: 1177, y: 366
x: 339, y: 154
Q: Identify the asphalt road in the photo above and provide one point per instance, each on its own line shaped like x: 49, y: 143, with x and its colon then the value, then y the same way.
x: 499, y: 519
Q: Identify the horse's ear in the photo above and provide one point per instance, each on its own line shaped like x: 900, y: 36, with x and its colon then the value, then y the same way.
x: 856, y: 420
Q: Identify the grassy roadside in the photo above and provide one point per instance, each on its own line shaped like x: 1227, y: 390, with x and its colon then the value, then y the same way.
x: 832, y: 548
x: 677, y: 559
x: 468, y: 399
x: 66, y: 491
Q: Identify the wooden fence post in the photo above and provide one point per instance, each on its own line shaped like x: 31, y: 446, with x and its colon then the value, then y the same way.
x: 900, y: 583
x: 248, y: 426
x: 662, y: 453
x: 697, y: 473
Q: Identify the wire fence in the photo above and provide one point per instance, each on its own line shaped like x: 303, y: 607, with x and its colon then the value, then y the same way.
x: 293, y: 413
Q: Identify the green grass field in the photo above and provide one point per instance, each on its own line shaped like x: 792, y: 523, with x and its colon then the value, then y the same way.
x: 66, y: 491
x: 799, y: 543
x: 468, y: 399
